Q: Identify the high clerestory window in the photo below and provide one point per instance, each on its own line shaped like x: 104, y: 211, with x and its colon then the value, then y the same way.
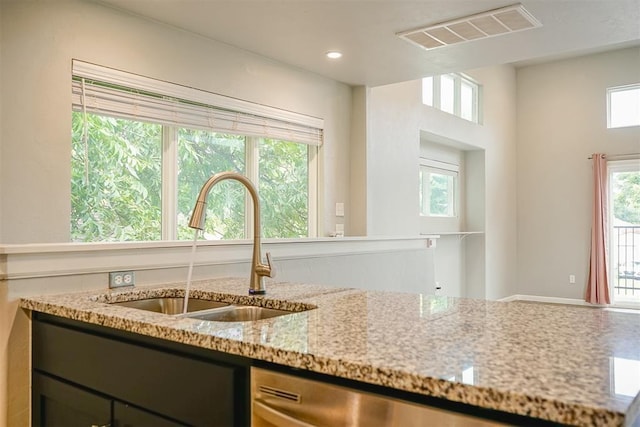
x: 142, y: 148
x: 623, y: 106
x: 454, y: 94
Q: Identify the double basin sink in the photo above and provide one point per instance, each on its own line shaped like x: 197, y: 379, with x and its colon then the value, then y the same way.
x: 205, y: 309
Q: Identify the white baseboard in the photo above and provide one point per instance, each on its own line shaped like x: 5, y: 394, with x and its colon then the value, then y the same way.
x: 570, y: 301
x: 552, y: 300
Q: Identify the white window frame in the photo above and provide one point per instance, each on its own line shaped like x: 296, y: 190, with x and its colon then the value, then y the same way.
x: 613, y: 167
x: 252, y: 157
x: 434, y: 85
x: 442, y: 168
x: 615, y: 89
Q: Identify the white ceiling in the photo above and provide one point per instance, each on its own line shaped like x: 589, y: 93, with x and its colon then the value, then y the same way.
x: 299, y: 32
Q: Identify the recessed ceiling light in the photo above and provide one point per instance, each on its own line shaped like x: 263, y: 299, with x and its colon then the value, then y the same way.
x: 334, y: 54
x: 492, y: 23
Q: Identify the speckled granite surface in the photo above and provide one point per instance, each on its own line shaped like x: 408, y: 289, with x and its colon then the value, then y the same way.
x: 556, y: 362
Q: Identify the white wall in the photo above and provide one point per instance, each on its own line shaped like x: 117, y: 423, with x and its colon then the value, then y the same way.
x: 475, y: 220
x: 357, y: 216
x: 39, y: 39
x: 393, y: 150
x: 396, y: 119
x: 499, y: 141
x: 562, y: 121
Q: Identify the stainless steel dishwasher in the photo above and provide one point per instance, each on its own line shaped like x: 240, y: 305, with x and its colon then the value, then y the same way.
x: 287, y: 401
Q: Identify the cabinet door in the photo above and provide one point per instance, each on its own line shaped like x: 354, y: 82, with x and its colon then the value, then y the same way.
x: 188, y: 389
x: 58, y: 404
x: 127, y: 416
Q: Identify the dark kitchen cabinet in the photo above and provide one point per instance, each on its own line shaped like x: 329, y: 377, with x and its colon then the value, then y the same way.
x: 126, y: 416
x: 59, y: 404
x: 56, y: 403
x: 88, y: 375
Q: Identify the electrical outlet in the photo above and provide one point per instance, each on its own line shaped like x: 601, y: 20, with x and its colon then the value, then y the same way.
x: 121, y: 278
x: 438, y: 290
x: 572, y: 278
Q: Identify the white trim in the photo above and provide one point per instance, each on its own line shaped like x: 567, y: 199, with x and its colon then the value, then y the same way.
x: 611, y: 90
x: 169, y: 181
x: 65, y: 259
x: 510, y: 298
x: 430, y: 166
x: 455, y: 233
x: 134, y: 81
x: 438, y: 164
x: 613, y: 167
x: 252, y: 171
x: 569, y: 301
x: 312, y: 199
x: 552, y: 300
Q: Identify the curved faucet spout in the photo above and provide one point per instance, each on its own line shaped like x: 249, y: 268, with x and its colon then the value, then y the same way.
x: 258, y: 269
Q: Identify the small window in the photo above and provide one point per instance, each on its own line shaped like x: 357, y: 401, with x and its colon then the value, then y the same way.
x: 427, y: 91
x: 447, y: 94
x: 623, y: 106
x: 454, y: 94
x: 438, y: 189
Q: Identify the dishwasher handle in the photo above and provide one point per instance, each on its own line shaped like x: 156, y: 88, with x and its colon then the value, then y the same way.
x: 275, y: 417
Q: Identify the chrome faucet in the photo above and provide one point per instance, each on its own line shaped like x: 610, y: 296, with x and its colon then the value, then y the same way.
x: 258, y: 269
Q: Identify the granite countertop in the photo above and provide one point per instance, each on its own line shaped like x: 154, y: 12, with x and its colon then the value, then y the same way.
x: 566, y: 364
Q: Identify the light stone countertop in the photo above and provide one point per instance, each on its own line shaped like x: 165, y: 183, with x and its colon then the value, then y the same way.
x: 567, y: 364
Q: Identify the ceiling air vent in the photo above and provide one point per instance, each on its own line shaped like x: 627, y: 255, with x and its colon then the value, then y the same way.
x: 482, y: 25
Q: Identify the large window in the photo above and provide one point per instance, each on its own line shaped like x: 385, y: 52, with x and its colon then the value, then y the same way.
x: 136, y: 176
x: 623, y: 106
x: 454, y: 94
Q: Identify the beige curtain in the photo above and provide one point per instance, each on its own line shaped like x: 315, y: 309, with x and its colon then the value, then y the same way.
x: 598, y: 283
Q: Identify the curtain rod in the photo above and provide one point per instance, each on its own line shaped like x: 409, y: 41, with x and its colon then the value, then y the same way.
x: 616, y: 156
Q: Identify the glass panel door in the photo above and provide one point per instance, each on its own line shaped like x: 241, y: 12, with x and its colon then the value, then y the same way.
x: 624, y: 230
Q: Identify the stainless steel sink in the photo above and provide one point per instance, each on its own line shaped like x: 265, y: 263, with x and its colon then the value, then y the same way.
x: 204, y: 309
x: 239, y: 313
x: 169, y: 305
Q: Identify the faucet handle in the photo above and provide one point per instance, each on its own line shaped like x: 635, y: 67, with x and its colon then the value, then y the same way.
x: 272, y: 268
x: 268, y: 269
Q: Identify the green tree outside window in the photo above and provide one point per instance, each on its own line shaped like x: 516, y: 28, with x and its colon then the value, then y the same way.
x: 116, y: 184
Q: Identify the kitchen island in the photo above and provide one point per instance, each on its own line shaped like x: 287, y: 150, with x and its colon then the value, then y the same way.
x: 548, y: 362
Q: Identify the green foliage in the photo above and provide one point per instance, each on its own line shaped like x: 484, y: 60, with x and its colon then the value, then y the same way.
x: 436, y: 192
x: 440, y: 186
x: 200, y: 155
x: 115, y: 180
x: 284, y: 183
x: 626, y: 200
